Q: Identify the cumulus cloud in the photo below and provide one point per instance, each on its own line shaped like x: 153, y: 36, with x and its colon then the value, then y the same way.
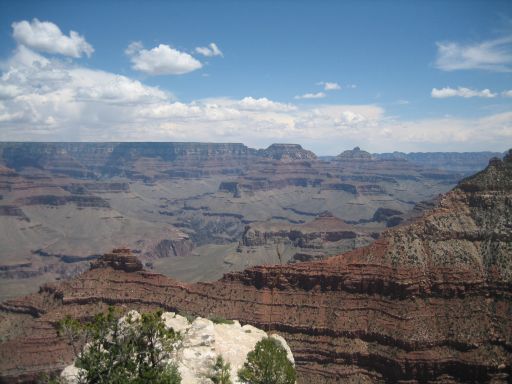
x: 41, y: 96
x: 317, y: 95
x: 44, y: 98
x: 47, y: 37
x: 264, y: 104
x: 329, y: 86
x: 460, y: 92
x: 490, y: 55
x: 507, y: 93
x: 161, y: 60
x: 209, y: 51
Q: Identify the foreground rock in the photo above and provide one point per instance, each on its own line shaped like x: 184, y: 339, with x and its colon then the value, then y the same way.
x: 203, y: 341
x: 428, y: 302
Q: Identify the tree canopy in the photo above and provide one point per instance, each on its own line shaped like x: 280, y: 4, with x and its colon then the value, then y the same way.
x: 267, y: 364
x: 134, y: 350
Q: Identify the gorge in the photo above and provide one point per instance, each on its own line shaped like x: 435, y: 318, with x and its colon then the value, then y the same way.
x: 429, y: 301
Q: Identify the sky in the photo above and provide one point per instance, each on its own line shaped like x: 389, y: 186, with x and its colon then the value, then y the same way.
x: 329, y: 75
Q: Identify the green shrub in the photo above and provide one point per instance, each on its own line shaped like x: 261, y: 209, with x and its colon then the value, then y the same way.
x: 134, y: 352
x: 267, y: 364
x: 220, y: 372
x: 220, y: 320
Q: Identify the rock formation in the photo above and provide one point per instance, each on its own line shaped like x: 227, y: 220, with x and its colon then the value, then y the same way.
x: 324, y: 236
x: 354, y: 154
x: 287, y: 152
x: 427, y: 302
x: 120, y: 259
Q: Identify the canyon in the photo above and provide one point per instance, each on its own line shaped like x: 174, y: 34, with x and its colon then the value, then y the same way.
x: 429, y: 301
x: 188, y: 210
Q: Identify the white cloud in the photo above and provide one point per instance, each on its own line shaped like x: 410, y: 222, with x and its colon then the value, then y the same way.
x: 490, y: 55
x: 47, y: 37
x: 317, y: 95
x: 47, y: 99
x: 161, y: 60
x: 264, y: 104
x: 9, y: 91
x: 329, y: 86
x: 507, y: 93
x: 210, y: 50
x: 133, y: 48
x: 460, y: 92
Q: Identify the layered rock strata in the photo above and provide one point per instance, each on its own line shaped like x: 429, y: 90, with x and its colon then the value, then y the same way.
x: 427, y: 302
x: 324, y: 236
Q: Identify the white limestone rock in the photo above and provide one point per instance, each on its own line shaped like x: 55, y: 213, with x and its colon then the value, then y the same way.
x: 285, y: 345
x: 176, y: 322
x: 71, y: 374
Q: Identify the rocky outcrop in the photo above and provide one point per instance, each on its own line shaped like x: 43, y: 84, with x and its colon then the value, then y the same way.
x: 232, y: 187
x: 355, y: 154
x: 325, y: 228
x: 181, y: 246
x: 324, y: 236
x: 202, y: 341
x: 287, y: 152
x: 392, y: 217
x: 120, y: 259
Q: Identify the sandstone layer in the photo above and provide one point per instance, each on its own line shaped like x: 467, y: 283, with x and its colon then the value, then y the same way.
x: 428, y: 302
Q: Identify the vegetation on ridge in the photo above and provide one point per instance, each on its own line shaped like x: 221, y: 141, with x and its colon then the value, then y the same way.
x: 130, y: 350
x: 138, y: 348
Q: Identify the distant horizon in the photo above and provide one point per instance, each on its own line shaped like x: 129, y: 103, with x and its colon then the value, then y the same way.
x: 411, y: 76
x: 248, y: 146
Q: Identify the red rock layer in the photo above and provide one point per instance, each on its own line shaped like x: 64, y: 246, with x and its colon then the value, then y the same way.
x: 428, y: 302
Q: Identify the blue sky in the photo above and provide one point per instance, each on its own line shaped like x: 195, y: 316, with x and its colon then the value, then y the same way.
x: 384, y: 75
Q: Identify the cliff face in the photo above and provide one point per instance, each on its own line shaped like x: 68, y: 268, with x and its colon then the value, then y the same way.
x: 427, y: 302
x: 324, y: 236
x: 143, y: 160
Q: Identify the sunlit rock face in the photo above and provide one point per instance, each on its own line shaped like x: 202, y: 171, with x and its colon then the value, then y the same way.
x: 203, y: 340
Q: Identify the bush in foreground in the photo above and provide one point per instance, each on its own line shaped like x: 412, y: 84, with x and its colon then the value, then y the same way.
x: 220, y: 372
x: 134, y: 351
x: 267, y: 364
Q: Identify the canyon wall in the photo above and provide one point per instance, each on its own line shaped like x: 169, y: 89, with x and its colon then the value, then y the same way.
x: 427, y: 302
